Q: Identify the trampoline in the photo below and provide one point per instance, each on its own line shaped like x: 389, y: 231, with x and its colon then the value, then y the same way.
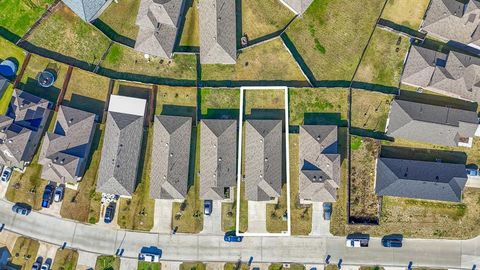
x: 46, y: 79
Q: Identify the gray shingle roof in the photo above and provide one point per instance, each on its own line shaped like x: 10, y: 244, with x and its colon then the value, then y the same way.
x: 218, y: 157
x: 453, y: 74
x: 218, y: 43
x: 65, y: 152
x: 263, y: 159
x: 319, y: 163
x: 429, y: 123
x: 453, y: 20
x: 122, y: 144
x: 21, y: 128
x: 420, y: 179
x: 297, y: 6
x: 4, y: 82
x: 87, y: 10
x: 170, y: 157
x: 158, y: 22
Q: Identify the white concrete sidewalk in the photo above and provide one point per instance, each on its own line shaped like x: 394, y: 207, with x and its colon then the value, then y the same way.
x: 171, y: 265
x: 320, y: 226
x: 213, y: 224
x: 162, y: 217
x: 257, y: 217
x: 215, y: 266
x: 3, y: 189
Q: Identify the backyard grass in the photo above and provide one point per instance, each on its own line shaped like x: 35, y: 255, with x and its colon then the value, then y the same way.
x: 121, y: 17
x: 268, y: 62
x: 29, y: 82
x: 383, y: 61
x: 65, y: 33
x: 263, y: 99
x: 148, y: 266
x: 260, y: 18
x: 131, y: 63
x: 87, y: 91
x: 84, y: 204
x: 233, y: 266
x: 5, y: 100
x: 192, y: 266
x: 331, y: 36
x: 318, y: 106
x: 293, y: 266
x: 406, y: 12
x: 65, y: 259
x: 24, y: 253
x: 188, y: 215
x: 370, y: 110
x: 18, y: 15
x: 107, y: 263
x: 9, y: 50
x: 189, y: 35
x: 219, y: 103
x: 169, y: 97
x: 363, y: 201
x: 301, y: 215
x: 137, y: 213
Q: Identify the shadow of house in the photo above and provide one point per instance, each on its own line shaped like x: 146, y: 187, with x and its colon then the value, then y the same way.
x: 112, y: 34
x: 31, y: 86
x: 370, y: 133
x: 423, y: 154
x: 221, y: 114
x: 317, y: 118
x: 438, y: 100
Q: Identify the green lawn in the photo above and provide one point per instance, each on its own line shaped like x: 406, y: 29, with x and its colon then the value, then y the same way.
x: 5, y: 100
x: 148, y: 266
x: 124, y: 59
x: 331, y: 36
x: 65, y: 259
x: 192, y: 266
x: 269, y: 62
x: 24, y: 252
x: 121, y: 17
x: 185, y: 97
x: 233, y: 266
x: 18, y: 15
x: 318, y: 106
x: 216, y: 103
x: 65, y: 33
x: 383, y: 60
x: 263, y: 99
x: 370, y: 110
x: 406, y: 12
x: 275, y: 213
x: 189, y: 36
x: 260, y: 18
x: 9, y: 50
x: 293, y: 266
x: 107, y: 263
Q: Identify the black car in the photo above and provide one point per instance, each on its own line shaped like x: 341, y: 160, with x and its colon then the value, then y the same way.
x: 47, y: 196
x: 22, y: 209
x: 394, y: 242
x: 109, y: 213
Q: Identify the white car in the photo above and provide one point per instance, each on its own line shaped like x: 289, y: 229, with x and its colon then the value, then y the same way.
x: 7, y: 172
x: 148, y: 257
x: 45, y: 266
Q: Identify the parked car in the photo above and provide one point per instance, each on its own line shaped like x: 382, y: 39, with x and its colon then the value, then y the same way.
x: 207, y: 207
x: 22, y: 209
x: 327, y: 210
x: 59, y: 191
x: 47, y: 196
x: 149, y: 257
x: 109, y: 213
x: 6, y: 173
x: 36, y: 266
x: 392, y: 241
x: 232, y: 237
x: 45, y: 266
x: 357, y: 240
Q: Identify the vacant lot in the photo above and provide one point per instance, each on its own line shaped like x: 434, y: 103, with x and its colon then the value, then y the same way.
x: 330, y: 37
x: 29, y: 82
x: 406, y: 12
x: 266, y: 62
x: 383, y: 61
x: 67, y: 34
x: 131, y: 63
x: 363, y: 201
x: 18, y: 15
x: 176, y: 100
x: 260, y: 18
x: 263, y: 99
x: 318, y: 106
x: 24, y: 253
x: 189, y: 35
x: 107, y: 263
x: 65, y: 259
x: 87, y: 91
x: 220, y: 103
x: 121, y: 17
x: 370, y: 110
x: 84, y: 204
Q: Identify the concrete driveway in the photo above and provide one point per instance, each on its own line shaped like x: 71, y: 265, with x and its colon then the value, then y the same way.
x: 47, y: 252
x: 128, y: 263
x: 114, y: 223
x: 257, y: 217
x: 53, y: 210
x: 3, y: 189
x: 86, y: 260
x: 212, y: 224
x: 320, y: 226
x: 162, y: 217
x: 215, y: 266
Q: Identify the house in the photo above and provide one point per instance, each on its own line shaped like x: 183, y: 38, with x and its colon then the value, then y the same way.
x: 218, y: 32
x: 21, y: 128
x: 5, y: 257
x: 454, y: 74
x: 420, y: 179
x: 4, y: 82
x: 454, y: 20
x: 65, y: 151
x: 297, y: 6
x: 319, y: 163
x: 122, y: 142
x: 170, y: 157
x: 159, y: 23
x: 263, y: 159
x: 218, y: 158
x: 87, y: 10
x: 432, y: 124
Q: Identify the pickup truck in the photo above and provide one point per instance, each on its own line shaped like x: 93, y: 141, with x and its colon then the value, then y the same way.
x: 357, y: 240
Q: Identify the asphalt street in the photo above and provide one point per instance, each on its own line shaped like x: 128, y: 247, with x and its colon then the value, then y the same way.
x: 211, y: 248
